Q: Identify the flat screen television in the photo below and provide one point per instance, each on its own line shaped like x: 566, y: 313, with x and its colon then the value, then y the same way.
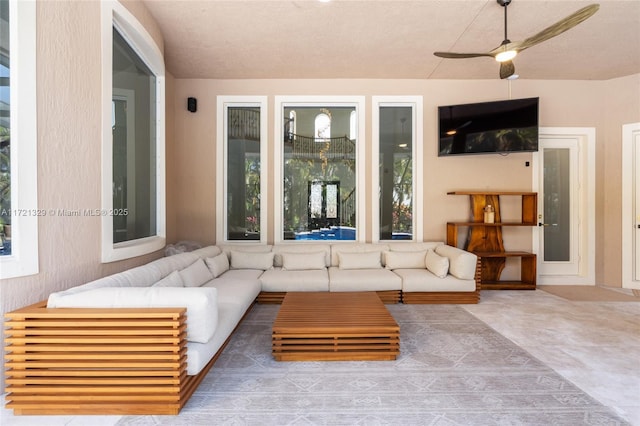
x: 488, y: 127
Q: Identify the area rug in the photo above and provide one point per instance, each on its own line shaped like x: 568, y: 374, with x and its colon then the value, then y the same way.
x: 588, y: 293
x: 453, y: 370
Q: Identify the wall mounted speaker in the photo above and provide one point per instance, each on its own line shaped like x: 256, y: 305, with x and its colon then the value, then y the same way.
x: 192, y: 104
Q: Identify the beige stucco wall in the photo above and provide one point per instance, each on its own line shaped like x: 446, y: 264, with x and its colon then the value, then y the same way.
x: 69, y: 146
x: 604, y: 106
x: 621, y: 106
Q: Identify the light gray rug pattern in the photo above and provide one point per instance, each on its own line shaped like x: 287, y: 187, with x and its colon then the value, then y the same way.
x: 453, y: 370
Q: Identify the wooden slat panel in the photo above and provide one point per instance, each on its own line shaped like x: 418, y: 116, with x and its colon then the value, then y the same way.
x: 98, y: 367
x: 387, y: 297
x: 441, y: 297
x: 118, y: 360
x: 334, y: 326
x: 271, y: 297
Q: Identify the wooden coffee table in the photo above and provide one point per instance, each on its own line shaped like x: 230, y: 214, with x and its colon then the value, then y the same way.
x: 325, y: 326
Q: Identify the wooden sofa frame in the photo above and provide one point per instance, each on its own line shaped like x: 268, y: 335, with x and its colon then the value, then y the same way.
x: 98, y: 361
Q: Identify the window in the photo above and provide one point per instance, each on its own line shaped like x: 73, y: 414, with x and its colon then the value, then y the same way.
x: 398, y: 128
x: 242, y: 129
x: 18, y: 177
x: 319, y: 169
x: 133, y: 200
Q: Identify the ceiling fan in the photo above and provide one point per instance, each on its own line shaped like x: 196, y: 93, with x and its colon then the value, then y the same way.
x: 508, y: 49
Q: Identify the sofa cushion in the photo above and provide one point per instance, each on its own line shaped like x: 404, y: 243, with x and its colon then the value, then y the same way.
x: 462, y: 264
x: 218, y: 265
x: 208, y: 251
x: 142, y: 276
x: 246, y: 247
x: 436, y: 264
x: 370, y: 260
x: 422, y: 280
x: 338, y: 248
x: 239, y: 291
x: 303, y: 261
x: 172, y: 280
x: 248, y: 260
x: 404, y: 260
x: 300, y: 247
x: 199, y: 354
x: 167, y: 265
x: 241, y: 274
x: 409, y: 246
x: 363, y: 280
x: 196, y: 274
x: 278, y: 280
x: 201, y: 304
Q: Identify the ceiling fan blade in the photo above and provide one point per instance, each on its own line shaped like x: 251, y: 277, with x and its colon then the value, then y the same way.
x: 507, y: 69
x: 560, y: 26
x: 452, y: 55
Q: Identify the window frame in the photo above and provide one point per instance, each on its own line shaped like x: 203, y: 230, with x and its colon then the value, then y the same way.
x: 223, y: 104
x: 278, y: 164
x: 23, y: 260
x: 416, y: 104
x: 115, y: 15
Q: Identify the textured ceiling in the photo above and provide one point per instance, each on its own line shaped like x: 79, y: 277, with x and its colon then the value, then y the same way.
x: 391, y: 38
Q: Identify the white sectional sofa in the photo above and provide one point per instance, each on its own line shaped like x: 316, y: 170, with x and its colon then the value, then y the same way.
x: 159, y: 327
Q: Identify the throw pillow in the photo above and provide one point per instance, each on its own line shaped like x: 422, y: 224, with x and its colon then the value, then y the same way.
x: 218, y: 265
x: 369, y: 260
x: 196, y: 274
x: 436, y: 264
x: 172, y: 280
x: 303, y: 261
x: 462, y: 264
x: 246, y: 260
x: 405, y: 260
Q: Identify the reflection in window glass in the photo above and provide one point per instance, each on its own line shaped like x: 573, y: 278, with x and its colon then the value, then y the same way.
x: 396, y: 173
x: 5, y: 132
x: 243, y: 173
x: 134, y: 144
x: 319, y: 173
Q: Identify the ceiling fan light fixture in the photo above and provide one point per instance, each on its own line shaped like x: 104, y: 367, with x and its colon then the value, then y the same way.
x: 507, y: 55
x: 513, y: 77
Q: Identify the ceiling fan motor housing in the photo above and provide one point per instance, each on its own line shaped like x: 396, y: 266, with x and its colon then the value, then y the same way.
x: 504, y: 2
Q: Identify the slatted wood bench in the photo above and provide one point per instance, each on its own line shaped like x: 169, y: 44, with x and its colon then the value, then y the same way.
x: 98, y: 361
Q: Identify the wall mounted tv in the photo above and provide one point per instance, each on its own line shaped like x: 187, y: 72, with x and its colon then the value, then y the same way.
x: 488, y: 127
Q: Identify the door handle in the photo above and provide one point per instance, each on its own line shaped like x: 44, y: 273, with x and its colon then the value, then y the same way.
x: 555, y: 224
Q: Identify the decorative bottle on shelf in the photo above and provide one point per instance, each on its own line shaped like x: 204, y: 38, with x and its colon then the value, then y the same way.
x: 489, y: 214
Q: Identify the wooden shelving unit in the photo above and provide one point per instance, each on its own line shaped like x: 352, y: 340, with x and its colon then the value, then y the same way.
x: 485, y: 239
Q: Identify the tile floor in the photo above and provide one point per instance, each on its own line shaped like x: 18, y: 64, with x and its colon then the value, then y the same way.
x: 596, y: 345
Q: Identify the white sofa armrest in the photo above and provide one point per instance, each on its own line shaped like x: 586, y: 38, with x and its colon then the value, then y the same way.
x: 201, y: 304
x: 462, y: 264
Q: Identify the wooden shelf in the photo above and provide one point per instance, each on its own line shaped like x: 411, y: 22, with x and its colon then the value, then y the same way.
x: 504, y: 254
x: 515, y: 193
x: 491, y: 224
x: 485, y: 239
